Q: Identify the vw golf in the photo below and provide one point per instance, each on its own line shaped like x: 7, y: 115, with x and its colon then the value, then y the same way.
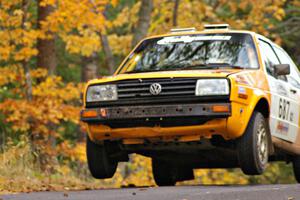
x: 217, y: 98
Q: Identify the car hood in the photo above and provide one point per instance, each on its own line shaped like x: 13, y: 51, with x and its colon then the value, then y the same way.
x: 168, y: 74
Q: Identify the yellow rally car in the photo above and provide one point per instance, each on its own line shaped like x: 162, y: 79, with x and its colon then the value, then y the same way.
x: 217, y: 98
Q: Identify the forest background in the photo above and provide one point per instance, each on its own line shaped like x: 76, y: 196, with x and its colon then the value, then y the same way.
x: 50, y: 48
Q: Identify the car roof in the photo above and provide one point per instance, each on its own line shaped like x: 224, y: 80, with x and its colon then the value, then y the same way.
x: 193, y: 31
x: 213, y: 31
x: 220, y: 31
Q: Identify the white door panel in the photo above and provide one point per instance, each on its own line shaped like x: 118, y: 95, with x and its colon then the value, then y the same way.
x: 284, y: 116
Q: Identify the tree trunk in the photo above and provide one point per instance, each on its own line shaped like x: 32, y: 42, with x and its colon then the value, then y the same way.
x: 2, y: 137
x: 25, y: 65
x: 175, y: 12
x: 46, y: 57
x: 143, y: 22
x: 109, y: 59
x: 89, y: 68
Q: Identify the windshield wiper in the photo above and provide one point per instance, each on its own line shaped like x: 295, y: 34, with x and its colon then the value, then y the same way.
x: 188, y: 67
x: 140, y: 71
x: 211, y: 66
x: 226, y: 65
x: 198, y: 66
x: 161, y: 68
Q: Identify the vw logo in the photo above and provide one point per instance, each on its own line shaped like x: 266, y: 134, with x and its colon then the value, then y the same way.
x: 155, y: 89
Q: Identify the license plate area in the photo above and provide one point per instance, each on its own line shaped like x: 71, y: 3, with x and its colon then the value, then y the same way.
x: 161, y: 111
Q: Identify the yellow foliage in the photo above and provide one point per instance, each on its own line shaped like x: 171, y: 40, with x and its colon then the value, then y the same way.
x: 17, y: 38
x: 84, y: 45
x: 255, y: 17
x: 78, y: 23
x: 128, y: 16
x: 120, y: 44
x: 10, y: 74
x: 25, y: 53
x: 75, y: 152
x: 52, y: 102
x: 39, y: 73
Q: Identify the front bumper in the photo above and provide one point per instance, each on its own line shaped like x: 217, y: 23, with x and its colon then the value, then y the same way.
x: 181, y: 121
x: 135, y: 135
x: 208, y: 110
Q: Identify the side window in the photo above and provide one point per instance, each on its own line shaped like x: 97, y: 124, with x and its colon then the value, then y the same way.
x: 294, y: 77
x: 269, y: 57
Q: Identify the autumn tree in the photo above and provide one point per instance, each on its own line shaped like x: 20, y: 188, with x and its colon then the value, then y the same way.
x: 47, y: 101
x: 259, y: 16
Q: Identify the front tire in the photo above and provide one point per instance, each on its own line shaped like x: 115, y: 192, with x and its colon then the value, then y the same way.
x: 252, y: 147
x: 99, y: 163
x: 296, y: 167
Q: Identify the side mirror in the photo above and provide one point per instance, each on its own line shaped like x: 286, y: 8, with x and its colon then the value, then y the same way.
x: 282, y: 69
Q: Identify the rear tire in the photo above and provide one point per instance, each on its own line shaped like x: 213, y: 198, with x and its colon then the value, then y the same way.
x: 296, y: 167
x: 164, y: 174
x: 99, y: 163
x: 252, y: 147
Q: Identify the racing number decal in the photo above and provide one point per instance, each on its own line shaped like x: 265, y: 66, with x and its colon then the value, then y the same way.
x: 284, y: 110
x: 285, y: 118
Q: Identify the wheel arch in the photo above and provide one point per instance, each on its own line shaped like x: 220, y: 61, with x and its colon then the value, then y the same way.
x: 242, y: 112
x: 263, y: 107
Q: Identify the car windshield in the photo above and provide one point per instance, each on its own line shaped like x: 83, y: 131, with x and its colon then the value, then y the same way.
x: 187, y: 52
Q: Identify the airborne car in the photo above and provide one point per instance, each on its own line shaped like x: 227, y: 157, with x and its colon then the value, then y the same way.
x: 217, y: 98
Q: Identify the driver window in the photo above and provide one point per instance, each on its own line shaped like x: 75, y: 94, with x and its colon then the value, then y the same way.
x: 294, y: 77
x: 269, y: 57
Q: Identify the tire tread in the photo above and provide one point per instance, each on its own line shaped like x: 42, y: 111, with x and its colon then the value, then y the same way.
x: 247, y: 156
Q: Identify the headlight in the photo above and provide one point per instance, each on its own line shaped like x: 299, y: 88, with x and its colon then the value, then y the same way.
x: 102, y: 93
x: 206, y: 87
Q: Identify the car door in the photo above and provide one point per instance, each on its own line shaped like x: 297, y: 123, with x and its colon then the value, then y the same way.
x: 283, y: 101
x: 294, y: 86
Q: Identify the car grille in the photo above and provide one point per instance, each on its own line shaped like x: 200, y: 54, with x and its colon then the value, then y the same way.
x: 141, y: 88
x: 174, y: 90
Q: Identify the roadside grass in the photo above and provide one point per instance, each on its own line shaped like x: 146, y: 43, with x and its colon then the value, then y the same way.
x: 276, y: 173
x: 19, y: 172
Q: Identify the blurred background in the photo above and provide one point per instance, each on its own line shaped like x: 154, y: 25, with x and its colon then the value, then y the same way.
x: 50, y: 48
